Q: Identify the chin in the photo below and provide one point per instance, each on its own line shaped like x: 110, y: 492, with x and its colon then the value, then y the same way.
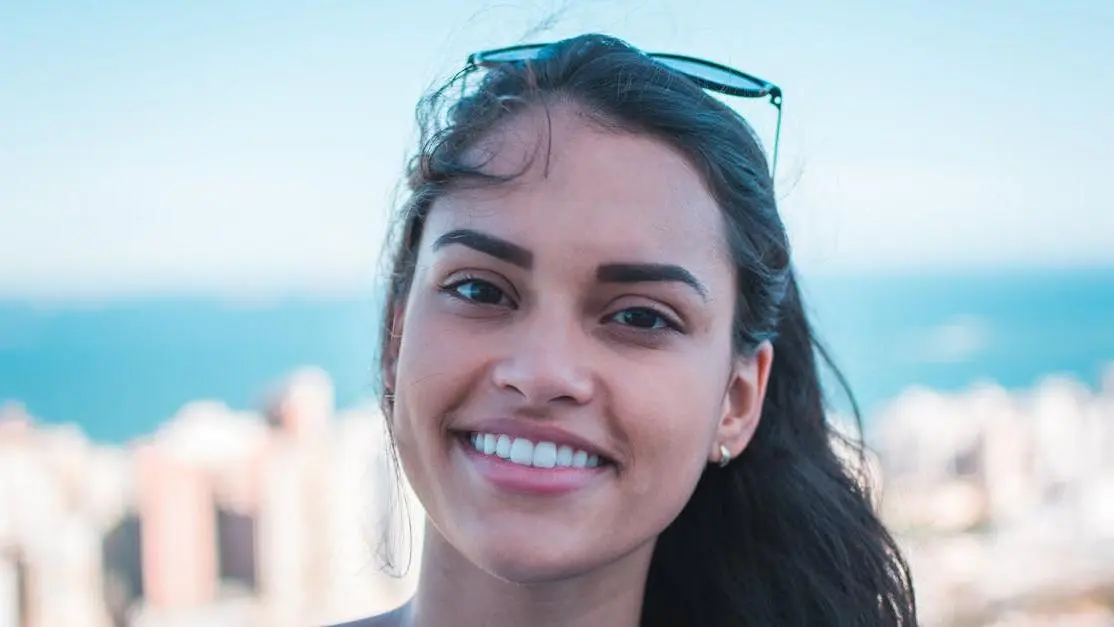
x: 534, y: 558
x: 517, y: 570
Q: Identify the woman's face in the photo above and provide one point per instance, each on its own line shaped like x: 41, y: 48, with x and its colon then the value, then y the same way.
x: 563, y: 373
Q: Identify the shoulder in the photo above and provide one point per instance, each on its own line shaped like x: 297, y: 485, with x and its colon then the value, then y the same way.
x: 390, y: 619
x: 373, y: 621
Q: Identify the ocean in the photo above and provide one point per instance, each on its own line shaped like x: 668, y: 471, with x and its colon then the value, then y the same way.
x: 120, y: 368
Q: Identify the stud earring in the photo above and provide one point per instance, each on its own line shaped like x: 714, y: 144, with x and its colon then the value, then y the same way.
x: 724, y: 456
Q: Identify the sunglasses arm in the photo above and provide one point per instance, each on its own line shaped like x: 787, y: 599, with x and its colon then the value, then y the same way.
x: 775, y: 99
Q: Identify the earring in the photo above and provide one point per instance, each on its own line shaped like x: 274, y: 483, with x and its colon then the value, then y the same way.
x: 724, y: 456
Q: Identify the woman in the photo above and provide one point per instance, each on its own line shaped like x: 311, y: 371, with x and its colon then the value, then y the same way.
x: 599, y: 376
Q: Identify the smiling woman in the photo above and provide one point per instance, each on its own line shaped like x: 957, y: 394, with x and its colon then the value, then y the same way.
x: 599, y: 377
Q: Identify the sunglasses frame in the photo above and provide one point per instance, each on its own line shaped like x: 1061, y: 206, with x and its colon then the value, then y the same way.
x: 766, y: 89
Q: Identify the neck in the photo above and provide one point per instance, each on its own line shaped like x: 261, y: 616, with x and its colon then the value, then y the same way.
x: 454, y: 591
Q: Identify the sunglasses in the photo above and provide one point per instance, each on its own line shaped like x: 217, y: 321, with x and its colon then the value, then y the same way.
x: 707, y: 74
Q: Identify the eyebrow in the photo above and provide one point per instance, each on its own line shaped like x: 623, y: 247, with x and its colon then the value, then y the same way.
x: 649, y: 272
x: 607, y: 273
x: 489, y: 245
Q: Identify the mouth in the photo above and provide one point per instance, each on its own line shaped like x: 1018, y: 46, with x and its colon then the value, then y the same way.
x: 525, y: 467
x: 529, y: 453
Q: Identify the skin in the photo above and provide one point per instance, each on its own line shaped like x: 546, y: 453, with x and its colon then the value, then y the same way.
x: 549, y: 341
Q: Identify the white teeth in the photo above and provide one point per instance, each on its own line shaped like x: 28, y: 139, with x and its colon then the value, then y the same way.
x: 522, y: 451
x: 503, y: 447
x: 564, y: 456
x: 545, y: 455
x: 526, y: 453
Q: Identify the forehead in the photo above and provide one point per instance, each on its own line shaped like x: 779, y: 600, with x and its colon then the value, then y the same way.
x: 597, y: 192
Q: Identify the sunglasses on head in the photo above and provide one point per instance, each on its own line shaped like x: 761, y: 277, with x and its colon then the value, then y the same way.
x: 707, y: 74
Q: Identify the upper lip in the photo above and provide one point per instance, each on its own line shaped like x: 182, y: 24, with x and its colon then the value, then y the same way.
x: 537, y: 432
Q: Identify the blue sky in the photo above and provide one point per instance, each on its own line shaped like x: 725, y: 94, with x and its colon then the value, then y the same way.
x: 254, y: 146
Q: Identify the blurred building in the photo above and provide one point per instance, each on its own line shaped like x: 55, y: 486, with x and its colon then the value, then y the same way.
x: 278, y: 518
x: 219, y: 518
x: 1004, y: 500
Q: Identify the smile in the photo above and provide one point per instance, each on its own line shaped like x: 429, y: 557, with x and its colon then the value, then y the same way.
x: 525, y: 452
x: 527, y: 467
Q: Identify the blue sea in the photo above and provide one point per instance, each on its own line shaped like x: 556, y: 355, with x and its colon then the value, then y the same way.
x: 119, y: 368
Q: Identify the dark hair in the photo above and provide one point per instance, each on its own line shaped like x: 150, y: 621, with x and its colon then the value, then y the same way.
x: 786, y: 534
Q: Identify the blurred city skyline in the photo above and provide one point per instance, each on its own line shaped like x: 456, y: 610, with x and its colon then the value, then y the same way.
x: 255, y: 146
x: 275, y: 516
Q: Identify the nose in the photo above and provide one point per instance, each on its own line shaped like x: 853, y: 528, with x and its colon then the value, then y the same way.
x: 546, y: 363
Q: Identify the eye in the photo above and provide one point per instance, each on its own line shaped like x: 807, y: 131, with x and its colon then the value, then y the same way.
x: 476, y: 291
x: 645, y: 318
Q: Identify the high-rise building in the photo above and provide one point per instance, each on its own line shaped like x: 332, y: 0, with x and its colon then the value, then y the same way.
x: 13, y: 601
x: 178, y: 537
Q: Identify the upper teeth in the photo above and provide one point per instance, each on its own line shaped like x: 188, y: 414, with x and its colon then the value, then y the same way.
x: 528, y: 453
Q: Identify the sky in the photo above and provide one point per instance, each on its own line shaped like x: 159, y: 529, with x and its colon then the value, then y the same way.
x: 254, y: 147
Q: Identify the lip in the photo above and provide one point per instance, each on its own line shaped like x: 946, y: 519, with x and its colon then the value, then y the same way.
x: 538, y: 432
x: 515, y: 478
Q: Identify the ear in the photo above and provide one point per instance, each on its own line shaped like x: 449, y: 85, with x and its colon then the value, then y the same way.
x: 388, y: 368
x: 742, y: 402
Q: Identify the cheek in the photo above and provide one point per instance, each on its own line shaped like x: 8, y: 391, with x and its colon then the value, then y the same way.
x: 436, y: 368
x: 671, y: 424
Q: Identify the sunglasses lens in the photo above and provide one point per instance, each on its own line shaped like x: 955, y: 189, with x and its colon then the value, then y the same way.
x: 514, y: 55
x: 712, y: 74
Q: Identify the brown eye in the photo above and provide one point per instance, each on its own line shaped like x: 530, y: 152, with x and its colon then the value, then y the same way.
x: 644, y: 318
x: 477, y: 291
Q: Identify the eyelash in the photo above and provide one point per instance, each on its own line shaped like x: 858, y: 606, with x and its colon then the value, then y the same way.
x: 453, y: 289
x: 668, y: 323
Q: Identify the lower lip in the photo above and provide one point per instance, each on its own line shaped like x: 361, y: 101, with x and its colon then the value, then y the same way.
x: 519, y: 479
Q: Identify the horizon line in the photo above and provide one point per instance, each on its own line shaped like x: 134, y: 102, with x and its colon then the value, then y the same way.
x: 249, y: 294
